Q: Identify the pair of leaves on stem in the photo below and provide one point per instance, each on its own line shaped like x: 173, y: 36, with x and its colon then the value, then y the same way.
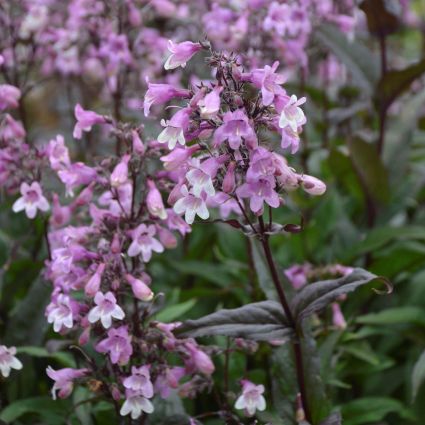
x: 266, y: 321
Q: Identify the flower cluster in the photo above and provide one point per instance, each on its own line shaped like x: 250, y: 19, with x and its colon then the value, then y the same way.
x: 101, y: 243
x: 219, y: 152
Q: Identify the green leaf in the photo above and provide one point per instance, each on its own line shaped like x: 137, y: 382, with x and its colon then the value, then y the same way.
x: 372, y: 409
x: 382, y: 236
x: 263, y: 321
x: 395, y: 316
x: 214, y: 273
x: 173, y: 312
x: 359, y: 60
x: 52, y: 411
x: 64, y: 359
x: 370, y: 170
x: 317, y: 296
x: 418, y: 375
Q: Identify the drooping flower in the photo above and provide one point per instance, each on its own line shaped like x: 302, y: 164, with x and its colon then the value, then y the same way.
x: 106, y: 308
x: 269, y: 82
x: 85, y: 120
x: 135, y: 404
x: 158, y: 94
x: 144, y: 242
x: 177, y: 157
x: 191, y: 205
x: 140, y: 289
x: 338, y: 317
x: 292, y: 115
x: 118, y: 345
x: 9, y: 96
x: 312, y: 185
x: 199, y: 360
x: 181, y: 53
x: 210, y: 104
x: 298, y: 274
x: 58, y: 153
x: 64, y: 380
x: 173, y: 132
x: 140, y: 381
x: 154, y: 201
x: 251, y: 398
x: 8, y: 361
x: 32, y: 199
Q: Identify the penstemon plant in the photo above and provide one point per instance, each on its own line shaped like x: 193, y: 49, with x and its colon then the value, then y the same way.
x: 224, y: 155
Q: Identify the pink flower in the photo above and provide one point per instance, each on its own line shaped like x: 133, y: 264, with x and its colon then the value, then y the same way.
x: 292, y: 115
x: 60, y: 313
x: 169, y: 380
x: 312, y: 185
x: 135, y: 404
x: 8, y: 361
x: 173, y: 132
x: 106, y: 309
x: 32, y: 199
x: 75, y: 175
x: 258, y: 192
x: 140, y: 289
x: 64, y: 380
x: 117, y: 344
x: 58, y: 153
x: 269, y: 82
x: 158, y: 94
x: 210, y: 104
x: 199, y: 360
x: 177, y: 157
x: 191, y: 205
x: 180, y: 53
x: 251, y: 398
x: 337, y: 317
x: 298, y: 274
x: 154, y: 201
x: 140, y: 381
x: 85, y: 120
x: 9, y: 96
x: 144, y: 242
x: 235, y: 129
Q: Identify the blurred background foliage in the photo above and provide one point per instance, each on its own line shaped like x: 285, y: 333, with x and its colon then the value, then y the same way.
x: 372, y: 215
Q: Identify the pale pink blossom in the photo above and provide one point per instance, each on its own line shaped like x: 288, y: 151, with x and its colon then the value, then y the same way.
x: 32, y: 199
x: 251, y: 398
x: 144, y: 242
x: 85, y: 120
x: 181, y: 53
x: 105, y: 310
x: 8, y: 361
x: 191, y: 205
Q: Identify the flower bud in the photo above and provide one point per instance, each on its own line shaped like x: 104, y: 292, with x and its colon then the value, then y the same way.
x: 229, y: 183
x: 93, y: 285
x: 154, y: 202
x: 140, y: 289
x: 312, y: 185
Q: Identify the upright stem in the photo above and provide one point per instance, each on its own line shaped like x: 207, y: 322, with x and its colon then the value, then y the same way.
x: 296, y: 344
x: 382, y: 108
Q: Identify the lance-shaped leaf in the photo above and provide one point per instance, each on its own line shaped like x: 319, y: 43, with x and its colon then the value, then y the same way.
x: 316, y: 296
x: 262, y: 321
